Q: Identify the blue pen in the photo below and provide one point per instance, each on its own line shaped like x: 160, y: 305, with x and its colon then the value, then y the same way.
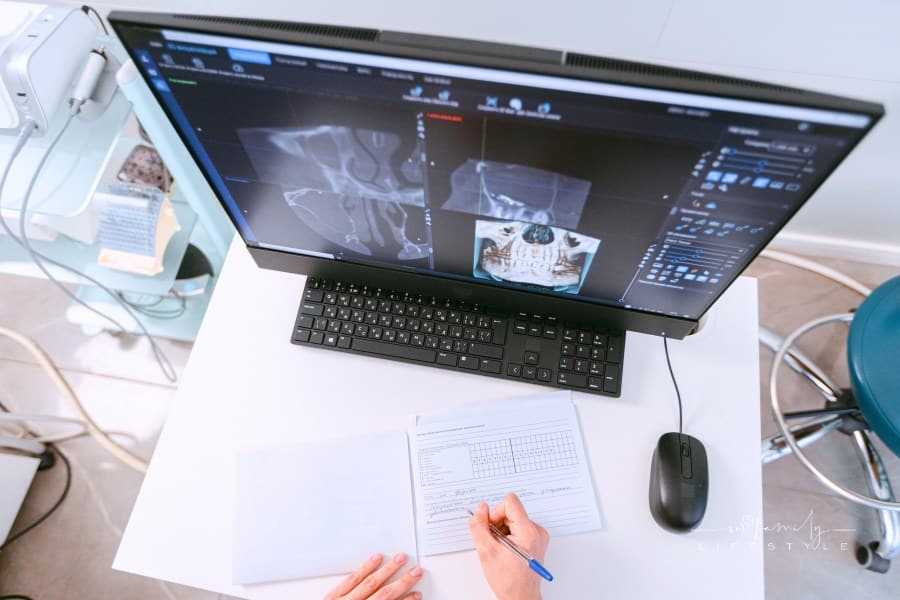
x: 532, y: 562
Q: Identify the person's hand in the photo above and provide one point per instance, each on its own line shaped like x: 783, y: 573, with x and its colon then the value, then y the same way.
x: 368, y: 582
x: 508, y: 575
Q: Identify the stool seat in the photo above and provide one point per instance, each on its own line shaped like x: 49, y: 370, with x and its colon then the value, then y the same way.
x: 873, y: 352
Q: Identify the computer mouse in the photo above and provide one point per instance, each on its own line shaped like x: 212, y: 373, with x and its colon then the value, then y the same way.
x: 679, y: 482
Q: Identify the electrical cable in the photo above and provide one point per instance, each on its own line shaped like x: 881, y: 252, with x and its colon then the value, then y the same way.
x: 90, y: 9
x: 102, y: 437
x: 815, y: 267
x: 162, y: 360
x: 675, y: 383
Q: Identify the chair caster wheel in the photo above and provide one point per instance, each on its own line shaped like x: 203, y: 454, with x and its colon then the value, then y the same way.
x: 869, y: 558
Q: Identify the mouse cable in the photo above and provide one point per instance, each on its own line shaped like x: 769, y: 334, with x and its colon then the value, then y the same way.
x: 90, y: 9
x: 675, y: 383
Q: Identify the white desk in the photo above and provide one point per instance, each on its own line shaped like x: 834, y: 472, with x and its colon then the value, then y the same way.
x: 245, y: 384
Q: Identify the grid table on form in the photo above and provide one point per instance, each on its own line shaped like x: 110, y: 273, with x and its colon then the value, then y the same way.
x: 523, y: 454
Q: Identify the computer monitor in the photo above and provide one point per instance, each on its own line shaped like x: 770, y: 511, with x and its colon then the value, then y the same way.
x: 540, y: 181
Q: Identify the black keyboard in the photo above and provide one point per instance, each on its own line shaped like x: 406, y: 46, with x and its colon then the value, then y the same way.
x: 451, y: 334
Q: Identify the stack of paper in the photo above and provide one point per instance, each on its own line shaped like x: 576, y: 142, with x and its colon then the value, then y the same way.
x: 322, y: 508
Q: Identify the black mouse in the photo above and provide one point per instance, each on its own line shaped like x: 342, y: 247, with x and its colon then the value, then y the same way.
x: 679, y: 482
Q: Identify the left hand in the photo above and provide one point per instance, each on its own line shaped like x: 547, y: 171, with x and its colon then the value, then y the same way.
x: 368, y: 581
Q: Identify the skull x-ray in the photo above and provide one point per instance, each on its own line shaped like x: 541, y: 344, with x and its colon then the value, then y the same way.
x: 531, y: 253
x: 517, y: 193
x: 352, y: 186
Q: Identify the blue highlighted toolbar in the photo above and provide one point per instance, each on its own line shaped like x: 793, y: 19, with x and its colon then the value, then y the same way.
x: 250, y: 56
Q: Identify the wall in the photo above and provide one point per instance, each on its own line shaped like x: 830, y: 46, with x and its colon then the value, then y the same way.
x: 838, y: 47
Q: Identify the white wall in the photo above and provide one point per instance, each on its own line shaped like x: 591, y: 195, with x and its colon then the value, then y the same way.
x: 848, y: 48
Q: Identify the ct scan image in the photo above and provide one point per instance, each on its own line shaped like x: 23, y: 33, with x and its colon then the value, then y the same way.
x: 352, y: 186
x: 517, y: 192
x: 533, y: 254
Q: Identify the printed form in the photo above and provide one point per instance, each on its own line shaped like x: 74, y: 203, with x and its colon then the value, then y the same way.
x: 533, y: 448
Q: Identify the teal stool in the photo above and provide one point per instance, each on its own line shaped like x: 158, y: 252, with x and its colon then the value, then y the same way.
x: 870, y: 407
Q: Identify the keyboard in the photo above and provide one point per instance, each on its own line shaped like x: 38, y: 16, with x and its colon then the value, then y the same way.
x: 466, y: 337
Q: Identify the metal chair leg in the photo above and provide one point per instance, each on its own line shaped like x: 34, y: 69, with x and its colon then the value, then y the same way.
x: 801, y: 364
x: 877, y: 555
x: 775, y: 446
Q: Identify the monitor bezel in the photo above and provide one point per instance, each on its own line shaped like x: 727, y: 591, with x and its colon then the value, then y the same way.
x: 499, y: 56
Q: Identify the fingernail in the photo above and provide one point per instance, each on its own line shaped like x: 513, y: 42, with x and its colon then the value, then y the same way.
x: 416, y: 571
x: 399, y: 558
x: 375, y: 557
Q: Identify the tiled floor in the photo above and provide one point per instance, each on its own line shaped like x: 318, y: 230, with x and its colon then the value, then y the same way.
x: 69, y: 556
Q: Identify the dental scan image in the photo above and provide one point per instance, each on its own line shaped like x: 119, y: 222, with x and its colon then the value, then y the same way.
x: 351, y: 185
x: 517, y: 193
x: 533, y: 254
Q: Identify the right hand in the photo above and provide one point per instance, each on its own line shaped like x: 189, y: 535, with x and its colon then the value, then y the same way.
x: 508, y: 575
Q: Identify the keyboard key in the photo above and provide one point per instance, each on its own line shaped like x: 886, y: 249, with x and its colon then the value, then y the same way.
x: 567, y: 363
x: 470, y: 319
x: 468, y: 362
x: 348, y: 328
x: 595, y: 383
x: 446, y: 344
x: 532, y: 358
x: 534, y: 329
x: 498, y: 327
x: 330, y: 298
x: 306, y: 321
x: 316, y: 337
x: 413, y: 324
x: 426, y: 312
x: 399, y: 322
x: 312, y: 282
x: 583, y: 351
x: 550, y: 331
x: 470, y: 333
x: 460, y: 346
x: 514, y: 370
x: 571, y: 379
x: 427, y: 327
x: 456, y: 331
x: 490, y: 366
x: 611, y: 379
x: 544, y: 374
x: 417, y: 339
x: 485, y: 351
x: 614, y: 350
x: 344, y: 341
x: 308, y: 308
x: 302, y: 335
x: 581, y: 366
x: 596, y: 368
x: 331, y: 339
x: 431, y: 341
x: 569, y: 335
x: 334, y: 326
x: 446, y: 358
x: 330, y: 312
x: 344, y: 314
x: 412, y: 310
x: 441, y: 329
x: 454, y: 316
x: 376, y: 333
x: 357, y: 302
x: 362, y: 330
x: 484, y: 321
x: 385, y: 320
x: 567, y: 349
x: 403, y: 337
x: 598, y: 354
x: 584, y: 337
x: 407, y: 352
x: 600, y: 339
x: 484, y: 335
x: 390, y: 335
x: 520, y: 327
x: 313, y: 295
x: 358, y: 316
x: 529, y: 372
x: 371, y: 318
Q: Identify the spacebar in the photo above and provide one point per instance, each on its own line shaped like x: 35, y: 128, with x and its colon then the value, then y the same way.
x: 395, y: 350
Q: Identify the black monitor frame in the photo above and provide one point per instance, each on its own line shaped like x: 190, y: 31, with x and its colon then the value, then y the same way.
x: 499, y: 56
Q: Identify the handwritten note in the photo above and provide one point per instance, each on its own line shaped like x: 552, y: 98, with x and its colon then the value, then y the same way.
x: 534, y: 450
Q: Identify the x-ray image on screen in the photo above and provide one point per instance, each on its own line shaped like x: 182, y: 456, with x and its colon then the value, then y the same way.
x: 517, y: 192
x: 350, y: 185
x: 533, y: 254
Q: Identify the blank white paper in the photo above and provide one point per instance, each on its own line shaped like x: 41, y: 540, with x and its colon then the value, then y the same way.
x: 533, y: 448
x: 322, y: 508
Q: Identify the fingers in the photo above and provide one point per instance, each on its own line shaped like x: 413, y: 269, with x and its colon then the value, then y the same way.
x: 399, y: 588
x: 510, y: 513
x: 479, y: 527
x: 371, y: 582
x: 412, y: 596
x: 354, y: 578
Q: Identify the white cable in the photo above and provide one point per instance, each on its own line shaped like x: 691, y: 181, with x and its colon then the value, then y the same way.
x: 815, y: 267
x: 123, y: 454
x: 164, y: 364
x: 36, y: 418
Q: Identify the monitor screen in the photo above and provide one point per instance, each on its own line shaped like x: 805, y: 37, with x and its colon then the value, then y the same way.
x: 646, y: 199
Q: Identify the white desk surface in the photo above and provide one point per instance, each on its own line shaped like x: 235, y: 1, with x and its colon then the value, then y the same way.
x: 246, y: 385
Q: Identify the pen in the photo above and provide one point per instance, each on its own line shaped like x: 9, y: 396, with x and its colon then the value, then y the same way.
x: 532, y: 562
